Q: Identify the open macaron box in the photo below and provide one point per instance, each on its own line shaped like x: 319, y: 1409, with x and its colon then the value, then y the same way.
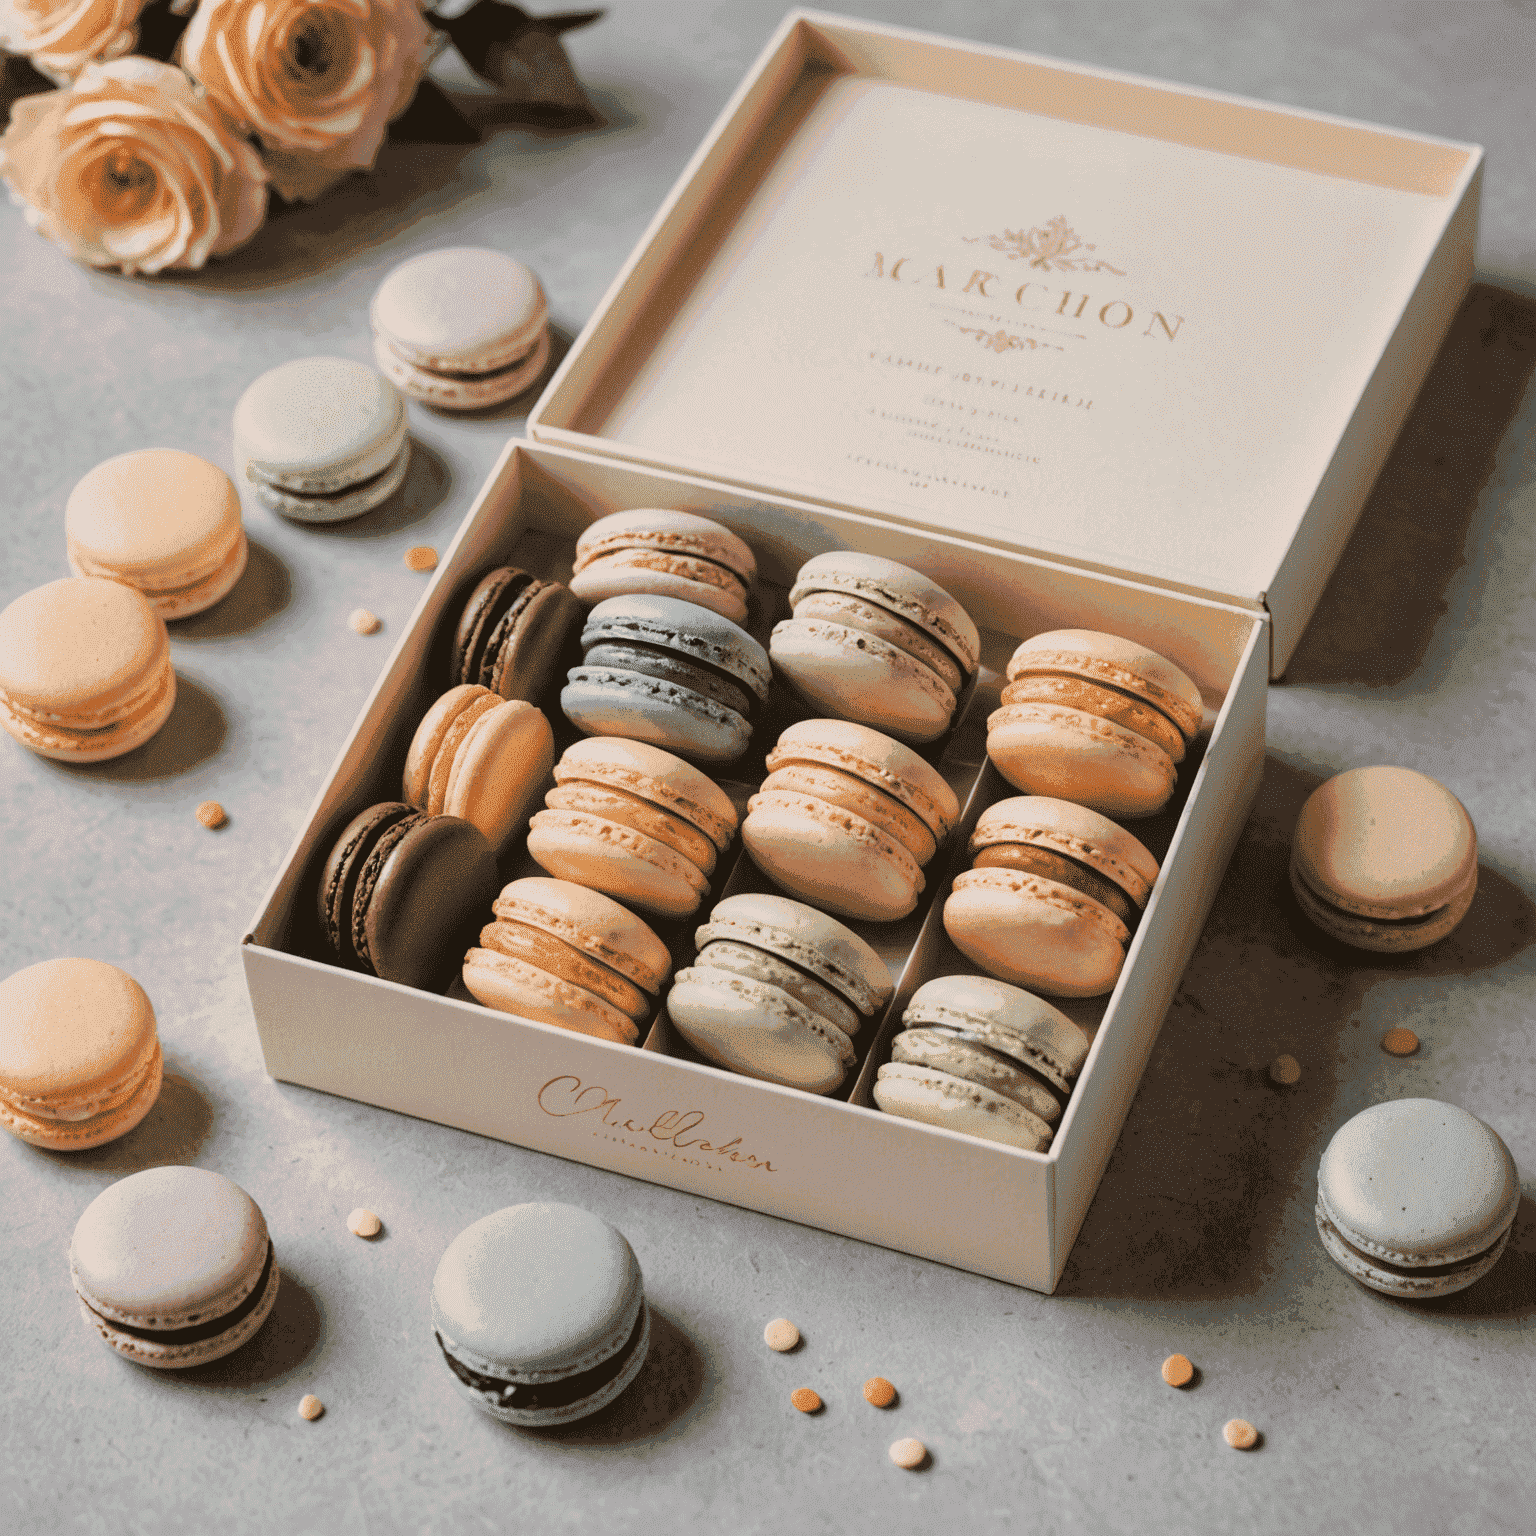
x: 866, y: 318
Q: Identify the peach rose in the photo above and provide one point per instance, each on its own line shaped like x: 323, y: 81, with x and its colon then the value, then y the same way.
x: 133, y: 167
x: 316, y: 81
x: 62, y: 36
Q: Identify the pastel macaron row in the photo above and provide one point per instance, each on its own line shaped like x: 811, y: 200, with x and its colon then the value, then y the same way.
x: 984, y: 1058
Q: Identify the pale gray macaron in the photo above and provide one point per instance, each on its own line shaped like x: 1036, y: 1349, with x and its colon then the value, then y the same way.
x: 540, y: 1313
x: 321, y: 439
x: 984, y: 1058
x: 778, y: 992
x: 1416, y: 1198
x: 173, y: 1266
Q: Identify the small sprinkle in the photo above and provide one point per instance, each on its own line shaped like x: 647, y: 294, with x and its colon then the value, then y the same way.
x: 879, y: 1392
x: 422, y: 558
x: 1285, y: 1070
x: 1177, y: 1371
x: 310, y: 1407
x: 908, y: 1453
x: 805, y: 1400
x: 1240, y: 1434
x: 363, y: 622
x: 211, y: 814
x: 781, y: 1334
x: 363, y: 1222
x: 1400, y: 1042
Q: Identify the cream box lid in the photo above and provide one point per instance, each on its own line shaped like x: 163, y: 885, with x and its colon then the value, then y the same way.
x: 1114, y: 322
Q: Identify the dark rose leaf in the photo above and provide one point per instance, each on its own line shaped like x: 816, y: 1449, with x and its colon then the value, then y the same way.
x: 18, y: 79
x: 160, y: 30
x: 522, y: 54
x: 432, y: 118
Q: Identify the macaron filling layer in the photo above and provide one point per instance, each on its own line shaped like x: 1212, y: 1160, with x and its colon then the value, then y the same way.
x: 683, y: 629
x: 543, y: 951
x: 774, y: 970
x: 510, y: 1394
x: 965, y: 1057
x: 468, y: 375
x: 1403, y: 924
x: 193, y: 1333
x: 655, y: 661
x: 1391, y: 1266
x: 489, y: 618
x: 1064, y: 871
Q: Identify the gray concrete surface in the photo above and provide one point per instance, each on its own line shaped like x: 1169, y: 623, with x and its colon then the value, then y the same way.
x: 1042, y: 1413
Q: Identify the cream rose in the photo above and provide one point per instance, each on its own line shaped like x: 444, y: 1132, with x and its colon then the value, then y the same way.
x: 133, y: 167
x: 317, y: 81
x: 62, y: 36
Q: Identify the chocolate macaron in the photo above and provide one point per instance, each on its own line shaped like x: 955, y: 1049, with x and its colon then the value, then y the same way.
x: 511, y: 633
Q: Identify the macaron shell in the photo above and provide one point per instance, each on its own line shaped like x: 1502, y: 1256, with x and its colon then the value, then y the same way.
x: 1107, y: 703
x: 1047, y: 749
x: 617, y: 860
x: 498, y: 770
x: 1415, y: 1182
x: 758, y: 1030
x: 1035, y: 933
x: 847, y: 611
x: 456, y: 727
x: 471, y: 390
x: 567, y: 963
x: 831, y: 857
x: 864, y: 800
x: 343, y: 866
x: 877, y: 759
x: 1377, y: 934
x: 318, y: 424
x: 1385, y: 842
x: 595, y: 924
x: 511, y: 985
x: 659, y: 528
x: 532, y: 640
x: 905, y: 592
x: 686, y: 628
x: 759, y: 965
x: 959, y: 1058
x: 431, y: 891
x: 1007, y: 1018
x: 338, y: 506
x: 428, y: 740
x: 643, y: 816
x: 940, y: 1099
x: 1077, y: 832
x: 853, y: 675
x: 640, y: 769
x: 463, y: 308
x: 605, y: 702
x: 665, y: 574
x: 167, y: 1248
x: 1116, y: 663
x: 805, y: 937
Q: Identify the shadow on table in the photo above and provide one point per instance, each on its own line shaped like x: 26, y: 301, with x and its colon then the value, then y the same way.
x: 173, y: 1131
x: 1374, y: 622
x: 264, y: 589
x: 1213, y: 1154
x: 279, y: 1346
x: 660, y: 1398
x: 192, y: 734
x: 1507, y: 1291
x: 427, y: 485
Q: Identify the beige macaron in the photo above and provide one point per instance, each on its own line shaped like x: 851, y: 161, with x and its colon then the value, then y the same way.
x: 163, y: 521
x: 85, y: 670
x: 564, y: 955
x: 80, y: 1059
x: 671, y: 554
x: 480, y: 757
x: 847, y: 818
x: 1384, y: 859
x: 1053, y: 896
x: 1094, y: 718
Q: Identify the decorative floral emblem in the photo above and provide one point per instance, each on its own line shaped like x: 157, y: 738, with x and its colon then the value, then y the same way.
x: 1053, y: 247
x: 1001, y: 341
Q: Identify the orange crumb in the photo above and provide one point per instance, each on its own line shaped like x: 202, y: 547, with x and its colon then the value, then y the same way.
x: 1285, y: 1070
x: 908, y: 1454
x: 781, y: 1334
x: 421, y: 558
x: 1240, y: 1434
x: 363, y: 1222
x: 1177, y: 1371
x: 879, y: 1392
x: 310, y: 1406
x: 363, y: 622
x: 1400, y: 1042
x: 211, y: 814
x: 805, y: 1400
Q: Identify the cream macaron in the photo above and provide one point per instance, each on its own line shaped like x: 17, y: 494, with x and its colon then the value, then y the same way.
x: 1053, y: 896
x: 163, y: 521
x: 80, y: 1059
x: 1094, y: 718
x: 1384, y: 859
x: 462, y: 328
x: 321, y: 439
x: 85, y: 670
x: 480, y: 757
x: 635, y: 822
x: 561, y: 954
x: 847, y: 818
